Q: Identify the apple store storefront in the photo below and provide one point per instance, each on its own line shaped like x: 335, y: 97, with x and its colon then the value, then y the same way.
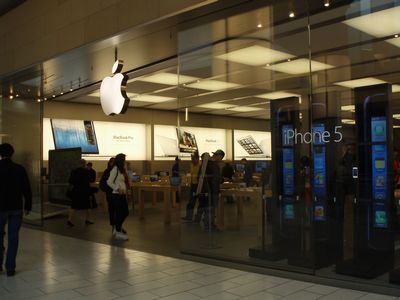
x: 303, y: 99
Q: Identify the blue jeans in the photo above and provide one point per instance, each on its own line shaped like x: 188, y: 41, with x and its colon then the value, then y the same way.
x: 14, y: 220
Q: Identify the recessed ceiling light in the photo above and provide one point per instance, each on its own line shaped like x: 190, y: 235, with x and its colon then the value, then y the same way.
x: 212, y: 85
x: 259, y: 25
x: 348, y: 121
x: 396, y: 116
x: 291, y: 14
x: 151, y: 98
x: 326, y: 3
x: 215, y: 105
x: 255, y: 56
x: 378, y: 24
x: 167, y: 78
x: 299, y: 66
x: 11, y: 97
x: 395, y: 88
x: 360, y: 82
x: 351, y: 108
x: 277, y: 95
x: 245, y: 108
x: 97, y: 94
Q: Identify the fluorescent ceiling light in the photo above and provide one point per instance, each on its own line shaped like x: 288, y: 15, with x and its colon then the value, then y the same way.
x: 277, y: 95
x: 151, y: 98
x: 395, y: 88
x: 255, y: 56
x: 245, y: 108
x: 97, y: 94
x: 168, y: 78
x: 378, y: 24
x: 348, y: 108
x: 360, y: 82
x: 394, y: 41
x: 396, y: 116
x: 215, y: 106
x: 212, y: 85
x: 348, y: 121
x: 299, y: 66
x: 396, y: 126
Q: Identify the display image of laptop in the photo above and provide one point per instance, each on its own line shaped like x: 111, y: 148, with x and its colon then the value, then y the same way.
x: 168, y: 146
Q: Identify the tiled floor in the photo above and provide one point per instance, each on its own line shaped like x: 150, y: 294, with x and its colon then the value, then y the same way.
x: 56, y: 267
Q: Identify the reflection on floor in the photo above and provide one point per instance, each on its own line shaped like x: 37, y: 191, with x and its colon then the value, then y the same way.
x: 57, y: 267
x: 153, y: 236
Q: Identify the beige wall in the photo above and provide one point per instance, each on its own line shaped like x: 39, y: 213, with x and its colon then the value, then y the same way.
x: 38, y: 30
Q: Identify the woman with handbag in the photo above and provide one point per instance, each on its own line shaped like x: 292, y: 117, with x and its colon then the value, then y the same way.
x: 119, y: 182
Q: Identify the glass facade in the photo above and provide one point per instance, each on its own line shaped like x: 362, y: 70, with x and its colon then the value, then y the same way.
x: 321, y: 80
x: 20, y: 125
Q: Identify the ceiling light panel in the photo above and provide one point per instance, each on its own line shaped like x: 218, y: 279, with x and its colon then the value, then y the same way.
x: 168, y: 78
x: 277, y: 95
x: 212, y: 85
x: 394, y: 41
x: 215, y: 106
x: 255, y: 56
x: 396, y: 116
x: 395, y: 88
x: 151, y: 98
x: 379, y: 24
x: 351, y: 108
x: 245, y: 108
x: 360, y: 82
x: 97, y: 94
x: 299, y: 66
x: 348, y: 121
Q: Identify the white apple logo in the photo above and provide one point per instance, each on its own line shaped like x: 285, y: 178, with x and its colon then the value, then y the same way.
x: 113, y: 96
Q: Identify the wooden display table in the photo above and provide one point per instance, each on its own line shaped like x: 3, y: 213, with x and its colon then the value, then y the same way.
x: 254, y: 193
x: 155, y: 187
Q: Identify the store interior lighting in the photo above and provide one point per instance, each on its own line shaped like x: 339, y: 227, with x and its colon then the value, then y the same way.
x: 215, y: 106
x: 299, y: 66
x: 378, y: 24
x: 212, y: 85
x: 167, y: 78
x: 245, y: 108
x: 351, y: 108
x: 359, y: 82
x: 255, y: 56
x: 151, y: 98
x: 277, y: 95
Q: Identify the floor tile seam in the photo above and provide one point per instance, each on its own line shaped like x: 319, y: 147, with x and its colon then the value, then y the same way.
x: 97, y: 292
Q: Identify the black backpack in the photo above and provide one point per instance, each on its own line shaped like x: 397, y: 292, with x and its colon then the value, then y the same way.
x: 103, y: 182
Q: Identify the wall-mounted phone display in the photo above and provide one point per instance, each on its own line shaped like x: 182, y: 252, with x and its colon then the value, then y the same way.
x: 379, y: 171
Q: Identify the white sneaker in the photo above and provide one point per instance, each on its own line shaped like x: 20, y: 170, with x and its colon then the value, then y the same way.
x: 120, y: 236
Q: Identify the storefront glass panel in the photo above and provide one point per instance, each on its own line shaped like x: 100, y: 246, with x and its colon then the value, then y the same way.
x: 357, y: 97
x: 249, y: 73
x: 20, y: 121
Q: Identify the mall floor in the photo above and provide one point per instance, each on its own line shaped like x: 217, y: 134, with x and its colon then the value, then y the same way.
x: 152, y: 237
x: 52, y: 266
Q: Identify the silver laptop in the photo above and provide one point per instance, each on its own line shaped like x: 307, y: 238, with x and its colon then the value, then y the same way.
x: 168, y: 146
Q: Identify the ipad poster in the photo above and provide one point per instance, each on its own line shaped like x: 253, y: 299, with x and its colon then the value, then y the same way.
x: 252, y: 145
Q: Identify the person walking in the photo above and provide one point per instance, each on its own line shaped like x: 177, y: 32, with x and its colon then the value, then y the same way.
x: 108, y: 191
x: 211, y: 187
x: 80, y: 194
x: 93, y: 189
x: 14, y: 189
x: 194, y: 179
x: 119, y: 182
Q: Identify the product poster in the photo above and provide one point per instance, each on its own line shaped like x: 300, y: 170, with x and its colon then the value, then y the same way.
x: 98, y: 140
x: 170, y: 141
x: 252, y: 145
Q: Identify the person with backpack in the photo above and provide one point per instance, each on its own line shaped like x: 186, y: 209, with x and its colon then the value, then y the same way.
x: 119, y: 182
x: 108, y: 191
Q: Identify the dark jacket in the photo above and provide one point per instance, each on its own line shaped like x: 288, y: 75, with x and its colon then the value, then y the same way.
x: 14, y: 187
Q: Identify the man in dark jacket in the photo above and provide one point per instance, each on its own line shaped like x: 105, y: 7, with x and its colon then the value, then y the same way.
x: 14, y: 188
x: 211, y: 187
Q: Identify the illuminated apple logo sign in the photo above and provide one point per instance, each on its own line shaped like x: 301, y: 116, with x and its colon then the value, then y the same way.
x: 113, y: 96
